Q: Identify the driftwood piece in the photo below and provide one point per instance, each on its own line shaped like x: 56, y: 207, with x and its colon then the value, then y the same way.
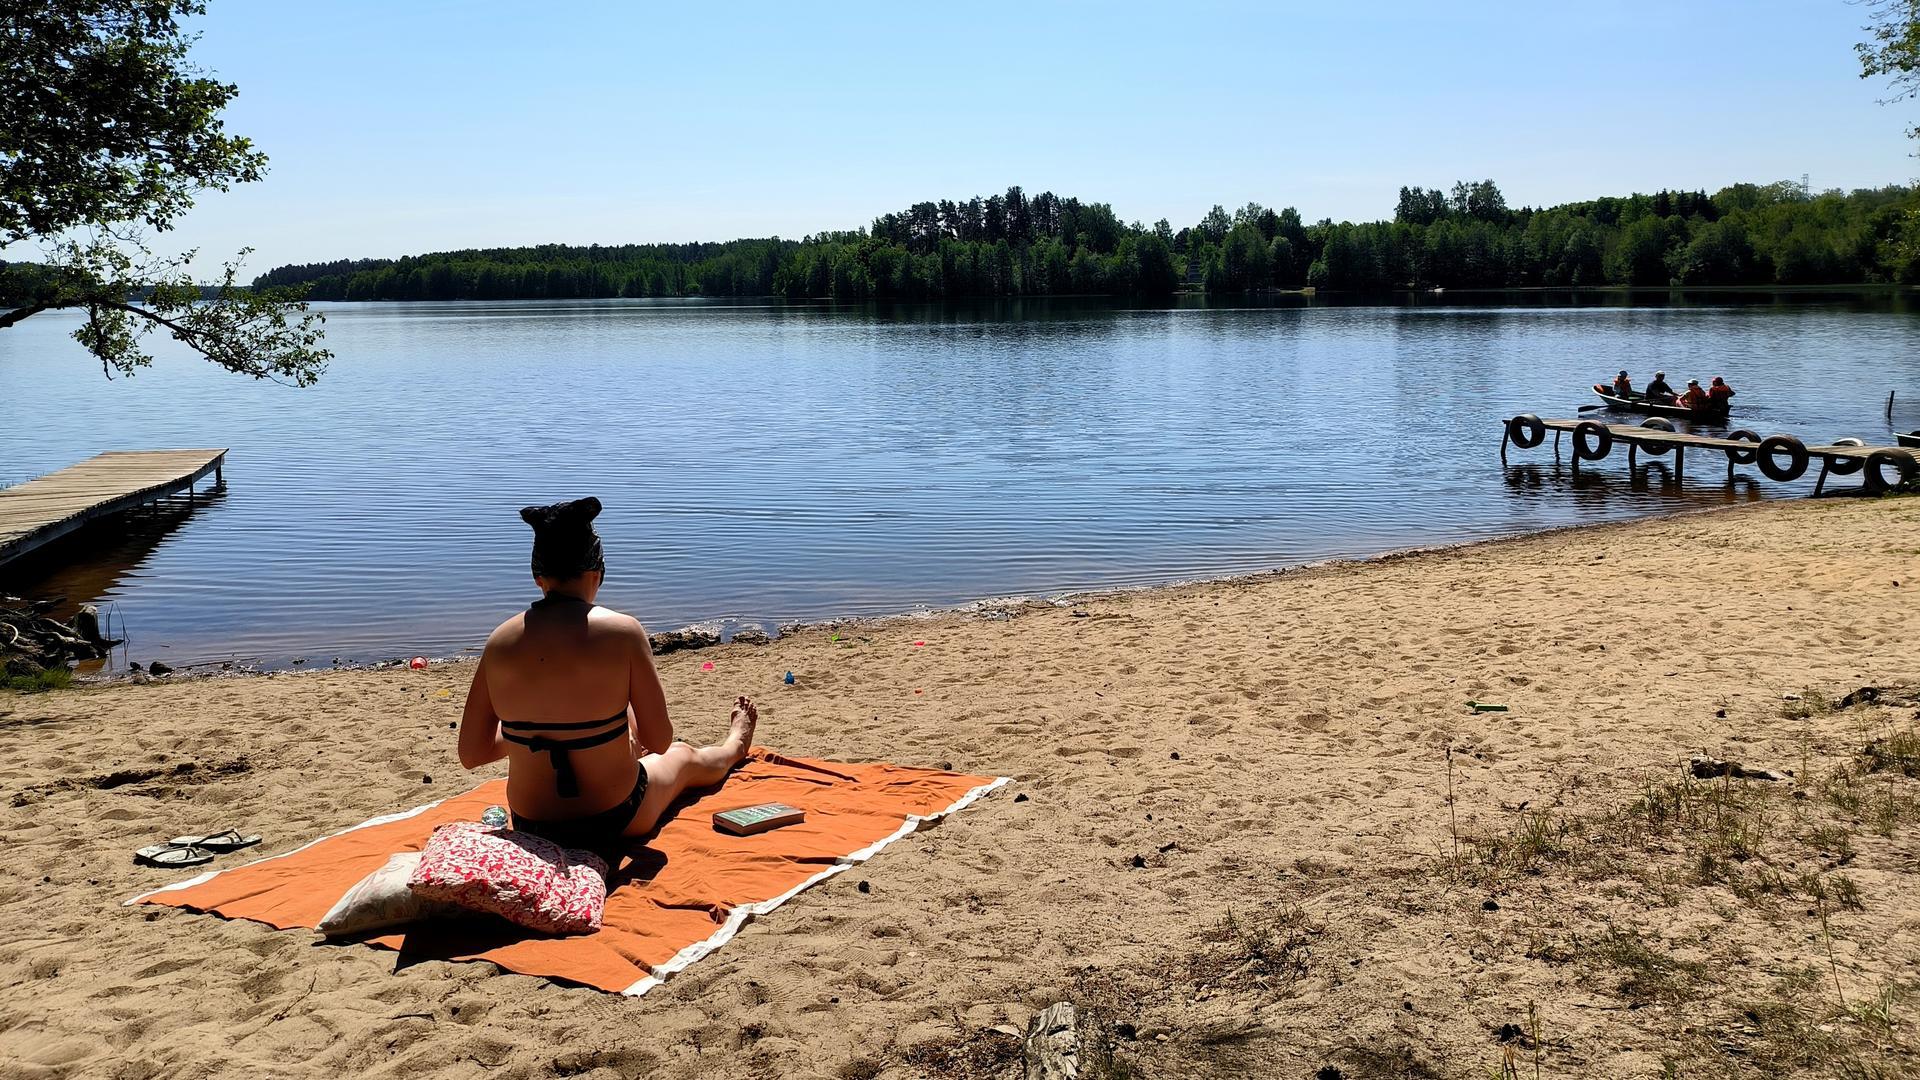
x: 30, y: 641
x: 1065, y: 1043
x: 1709, y: 768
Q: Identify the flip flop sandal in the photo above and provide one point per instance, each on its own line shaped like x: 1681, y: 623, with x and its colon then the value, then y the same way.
x: 173, y: 855
x: 219, y: 843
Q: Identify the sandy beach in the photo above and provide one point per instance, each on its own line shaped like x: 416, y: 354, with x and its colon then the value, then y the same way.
x: 1229, y: 828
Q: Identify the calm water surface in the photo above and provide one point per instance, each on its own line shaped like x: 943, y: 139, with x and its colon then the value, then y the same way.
x: 761, y: 464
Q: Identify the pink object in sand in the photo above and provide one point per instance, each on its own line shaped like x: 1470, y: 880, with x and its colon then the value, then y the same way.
x: 418, y: 663
x: 708, y: 666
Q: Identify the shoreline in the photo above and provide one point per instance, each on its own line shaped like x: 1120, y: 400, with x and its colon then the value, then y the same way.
x: 989, y: 608
x: 1254, y: 822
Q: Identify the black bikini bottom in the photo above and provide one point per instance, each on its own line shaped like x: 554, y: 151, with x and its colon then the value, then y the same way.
x: 602, y: 833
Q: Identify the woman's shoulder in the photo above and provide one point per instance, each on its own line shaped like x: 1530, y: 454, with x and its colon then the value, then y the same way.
x: 607, y: 620
x: 509, y: 631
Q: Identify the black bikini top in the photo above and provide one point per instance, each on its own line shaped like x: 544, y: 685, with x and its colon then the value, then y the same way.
x: 565, y: 782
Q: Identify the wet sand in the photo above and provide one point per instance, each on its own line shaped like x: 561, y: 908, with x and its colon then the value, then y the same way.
x: 1183, y: 753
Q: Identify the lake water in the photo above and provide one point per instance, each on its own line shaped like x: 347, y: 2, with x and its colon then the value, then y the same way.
x: 762, y: 464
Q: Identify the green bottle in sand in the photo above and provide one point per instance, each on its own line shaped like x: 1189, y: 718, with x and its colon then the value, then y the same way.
x: 1485, y: 706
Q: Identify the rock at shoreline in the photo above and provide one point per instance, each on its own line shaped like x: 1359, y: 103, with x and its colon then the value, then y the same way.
x: 753, y: 636
x: 675, y: 640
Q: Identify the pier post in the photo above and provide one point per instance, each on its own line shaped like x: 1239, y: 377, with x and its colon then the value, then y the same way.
x: 1633, y: 452
x: 1679, y: 464
x: 1825, y: 464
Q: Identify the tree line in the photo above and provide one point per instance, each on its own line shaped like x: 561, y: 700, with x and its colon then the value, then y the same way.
x: 1040, y: 245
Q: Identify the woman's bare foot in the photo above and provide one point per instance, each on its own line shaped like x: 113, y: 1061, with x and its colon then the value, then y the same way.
x: 745, y: 719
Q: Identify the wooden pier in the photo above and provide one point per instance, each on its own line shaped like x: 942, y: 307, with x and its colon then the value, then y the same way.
x: 1779, y: 457
x: 41, y: 511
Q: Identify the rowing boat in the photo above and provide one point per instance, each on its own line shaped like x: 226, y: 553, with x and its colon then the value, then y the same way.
x: 1637, y: 403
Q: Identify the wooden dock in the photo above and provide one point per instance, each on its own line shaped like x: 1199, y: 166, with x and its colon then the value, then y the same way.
x: 1779, y: 457
x: 41, y: 511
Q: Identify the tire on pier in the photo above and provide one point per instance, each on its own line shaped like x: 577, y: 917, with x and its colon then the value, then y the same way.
x: 1846, y: 466
x: 1905, y: 467
x: 1601, y: 441
x: 1743, y: 457
x: 1526, y: 431
x: 1657, y: 423
x: 1796, y: 452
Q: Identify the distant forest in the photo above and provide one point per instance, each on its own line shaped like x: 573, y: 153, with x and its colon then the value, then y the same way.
x: 1039, y: 245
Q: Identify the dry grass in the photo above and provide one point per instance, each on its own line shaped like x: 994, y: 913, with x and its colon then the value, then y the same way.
x: 1768, y: 860
x: 1722, y: 915
x: 1267, y: 951
x: 983, y: 1054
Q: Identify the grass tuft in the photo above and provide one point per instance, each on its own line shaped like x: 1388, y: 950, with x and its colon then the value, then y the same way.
x: 53, y: 678
x: 1270, y: 950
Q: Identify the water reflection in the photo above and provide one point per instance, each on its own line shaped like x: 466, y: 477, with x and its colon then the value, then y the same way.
x: 96, y: 561
x: 768, y: 462
x: 1595, y: 483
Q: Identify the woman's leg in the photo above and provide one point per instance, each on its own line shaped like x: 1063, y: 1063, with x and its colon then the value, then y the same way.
x: 684, y: 767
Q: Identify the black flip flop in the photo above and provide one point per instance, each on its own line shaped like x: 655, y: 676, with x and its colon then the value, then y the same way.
x: 219, y: 843
x: 173, y: 856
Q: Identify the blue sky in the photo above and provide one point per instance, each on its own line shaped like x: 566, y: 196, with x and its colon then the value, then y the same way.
x: 396, y: 128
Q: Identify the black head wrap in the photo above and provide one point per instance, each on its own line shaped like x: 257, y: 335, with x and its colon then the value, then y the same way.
x: 564, y: 543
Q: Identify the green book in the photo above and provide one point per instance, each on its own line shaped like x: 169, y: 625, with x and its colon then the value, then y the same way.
x: 748, y: 820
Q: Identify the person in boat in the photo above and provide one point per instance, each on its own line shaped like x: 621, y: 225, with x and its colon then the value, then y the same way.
x: 567, y: 693
x: 1695, y: 398
x: 1622, y: 386
x: 1720, y: 395
x: 1658, y: 390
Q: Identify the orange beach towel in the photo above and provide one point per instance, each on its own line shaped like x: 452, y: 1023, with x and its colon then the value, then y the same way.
x: 674, y: 900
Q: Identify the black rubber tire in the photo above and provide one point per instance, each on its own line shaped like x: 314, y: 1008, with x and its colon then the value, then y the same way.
x: 1526, y: 431
x: 1905, y: 466
x: 1656, y: 423
x: 1847, y: 466
x: 1602, y: 440
x: 1795, y: 450
x: 1743, y: 457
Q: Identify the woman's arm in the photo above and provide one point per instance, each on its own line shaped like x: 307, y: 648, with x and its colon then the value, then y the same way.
x: 651, y: 728
x: 480, y: 741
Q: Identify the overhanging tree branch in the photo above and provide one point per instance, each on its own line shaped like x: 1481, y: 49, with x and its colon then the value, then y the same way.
x: 108, y: 130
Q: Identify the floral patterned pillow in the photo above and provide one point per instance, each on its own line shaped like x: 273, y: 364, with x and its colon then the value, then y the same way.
x: 524, y: 879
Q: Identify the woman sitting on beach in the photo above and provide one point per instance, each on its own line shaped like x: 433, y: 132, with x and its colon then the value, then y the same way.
x: 567, y: 693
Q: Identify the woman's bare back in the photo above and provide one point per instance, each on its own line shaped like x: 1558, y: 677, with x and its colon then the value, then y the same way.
x: 566, y: 661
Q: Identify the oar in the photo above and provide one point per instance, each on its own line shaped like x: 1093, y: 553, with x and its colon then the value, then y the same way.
x: 1589, y: 408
